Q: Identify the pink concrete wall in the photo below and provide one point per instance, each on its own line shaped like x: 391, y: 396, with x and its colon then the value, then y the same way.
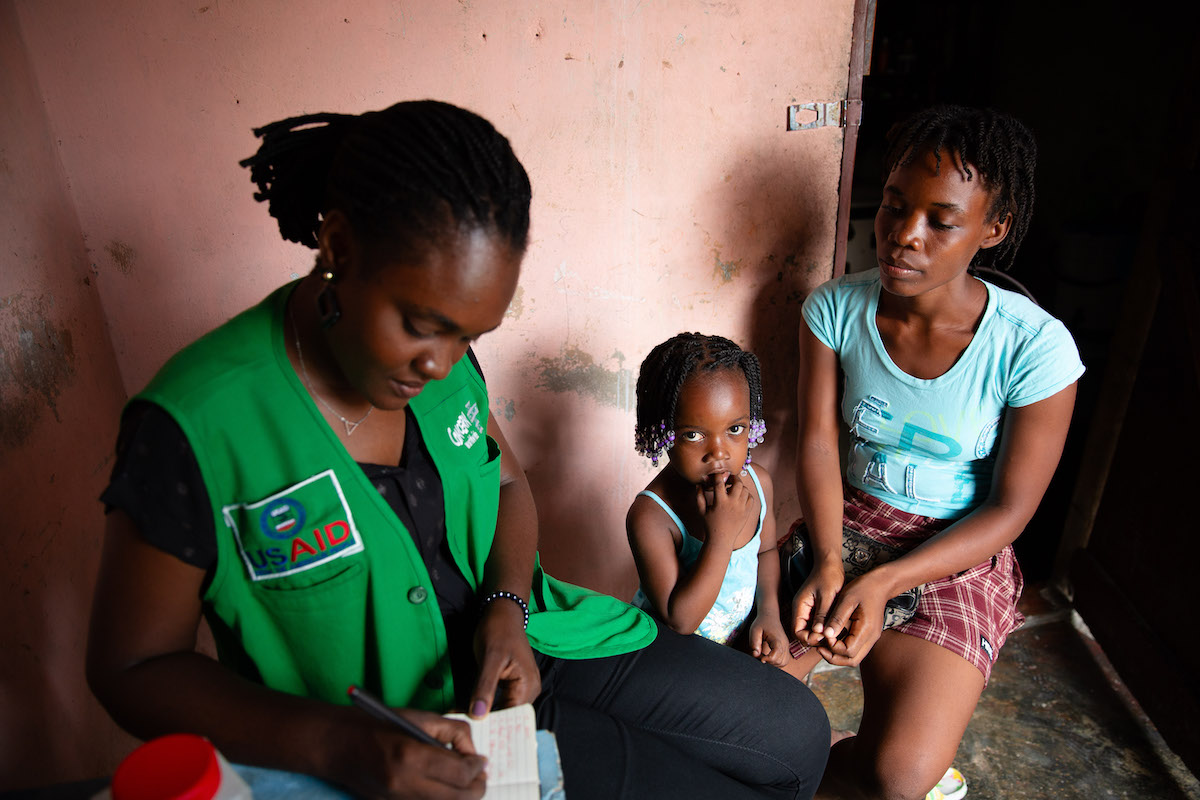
x: 667, y: 195
x: 59, y: 397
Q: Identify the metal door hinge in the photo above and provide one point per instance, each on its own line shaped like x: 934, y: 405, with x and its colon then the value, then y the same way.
x: 832, y: 112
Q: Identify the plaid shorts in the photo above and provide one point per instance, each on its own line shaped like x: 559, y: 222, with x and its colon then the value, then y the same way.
x: 971, y: 613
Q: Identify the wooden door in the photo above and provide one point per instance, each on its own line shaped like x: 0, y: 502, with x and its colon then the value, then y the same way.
x: 1134, y: 581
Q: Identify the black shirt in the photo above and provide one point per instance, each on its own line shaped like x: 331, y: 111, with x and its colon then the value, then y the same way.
x: 157, y: 482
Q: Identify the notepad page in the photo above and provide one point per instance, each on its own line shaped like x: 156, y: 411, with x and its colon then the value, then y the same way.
x: 508, y: 738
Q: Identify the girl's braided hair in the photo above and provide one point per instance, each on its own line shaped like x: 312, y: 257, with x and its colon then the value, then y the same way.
x: 403, y: 176
x: 996, y: 145
x: 667, y: 368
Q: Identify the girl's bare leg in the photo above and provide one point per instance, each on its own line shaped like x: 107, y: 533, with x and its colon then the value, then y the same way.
x: 799, y: 668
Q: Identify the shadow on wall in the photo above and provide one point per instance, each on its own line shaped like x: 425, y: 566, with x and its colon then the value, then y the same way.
x: 779, y: 220
x: 560, y: 452
x: 575, y: 413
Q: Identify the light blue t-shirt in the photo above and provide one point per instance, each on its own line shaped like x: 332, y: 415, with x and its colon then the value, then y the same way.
x: 724, y: 620
x: 929, y: 446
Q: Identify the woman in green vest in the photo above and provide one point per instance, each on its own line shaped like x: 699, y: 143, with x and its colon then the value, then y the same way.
x: 320, y: 478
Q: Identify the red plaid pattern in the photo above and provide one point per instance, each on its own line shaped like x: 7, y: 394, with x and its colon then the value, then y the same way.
x: 971, y: 613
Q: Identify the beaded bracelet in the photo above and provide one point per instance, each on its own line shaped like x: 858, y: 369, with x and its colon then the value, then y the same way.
x: 508, y: 596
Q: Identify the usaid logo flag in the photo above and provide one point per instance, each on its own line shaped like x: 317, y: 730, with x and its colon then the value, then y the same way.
x: 302, y: 527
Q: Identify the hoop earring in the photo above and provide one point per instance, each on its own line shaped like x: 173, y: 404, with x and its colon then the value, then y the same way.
x: 328, y: 309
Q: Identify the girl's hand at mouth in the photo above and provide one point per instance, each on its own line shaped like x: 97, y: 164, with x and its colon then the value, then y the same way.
x: 727, y: 513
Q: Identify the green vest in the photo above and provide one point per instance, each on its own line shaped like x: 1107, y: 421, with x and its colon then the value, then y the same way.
x: 318, y: 585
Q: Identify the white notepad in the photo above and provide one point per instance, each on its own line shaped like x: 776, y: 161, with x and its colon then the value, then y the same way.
x: 508, y: 738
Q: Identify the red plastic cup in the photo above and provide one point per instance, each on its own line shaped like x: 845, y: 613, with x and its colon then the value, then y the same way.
x: 180, y: 766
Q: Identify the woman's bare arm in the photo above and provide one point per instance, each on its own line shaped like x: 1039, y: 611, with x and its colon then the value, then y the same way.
x: 818, y: 483
x: 142, y: 666
x: 508, y: 674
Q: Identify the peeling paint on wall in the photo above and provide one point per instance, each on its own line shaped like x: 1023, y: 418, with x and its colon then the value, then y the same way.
x: 576, y: 371
x: 504, y: 407
x: 37, y: 357
x: 725, y: 270
x: 517, y: 307
x: 123, y: 256
x: 563, y: 275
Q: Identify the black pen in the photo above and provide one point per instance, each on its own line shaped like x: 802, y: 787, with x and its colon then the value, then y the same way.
x: 373, y: 706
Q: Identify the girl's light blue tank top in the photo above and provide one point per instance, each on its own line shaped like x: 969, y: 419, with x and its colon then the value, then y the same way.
x: 736, y: 598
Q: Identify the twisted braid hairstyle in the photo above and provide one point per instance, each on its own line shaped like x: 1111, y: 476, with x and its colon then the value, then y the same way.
x: 995, y: 145
x: 404, y: 176
x: 667, y: 368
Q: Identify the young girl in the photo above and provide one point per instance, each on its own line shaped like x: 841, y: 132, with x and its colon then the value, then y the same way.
x: 957, y: 396
x: 701, y: 532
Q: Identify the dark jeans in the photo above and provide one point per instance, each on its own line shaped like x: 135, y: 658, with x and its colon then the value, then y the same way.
x: 683, y: 717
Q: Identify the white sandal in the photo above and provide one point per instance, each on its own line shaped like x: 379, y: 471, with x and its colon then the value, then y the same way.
x: 952, y: 786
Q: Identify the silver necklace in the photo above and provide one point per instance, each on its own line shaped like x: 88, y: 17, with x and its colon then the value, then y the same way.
x: 351, y: 426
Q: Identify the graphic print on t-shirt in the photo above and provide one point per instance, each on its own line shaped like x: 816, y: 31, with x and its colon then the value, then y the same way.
x: 928, y: 445
x: 917, y: 457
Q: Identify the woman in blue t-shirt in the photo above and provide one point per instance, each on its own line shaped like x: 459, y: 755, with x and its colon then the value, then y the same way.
x: 957, y: 396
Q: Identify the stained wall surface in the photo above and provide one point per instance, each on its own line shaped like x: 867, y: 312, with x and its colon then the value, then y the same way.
x: 59, y: 395
x: 667, y: 196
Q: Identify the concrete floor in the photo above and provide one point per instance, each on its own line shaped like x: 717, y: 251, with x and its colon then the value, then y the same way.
x: 1055, y: 722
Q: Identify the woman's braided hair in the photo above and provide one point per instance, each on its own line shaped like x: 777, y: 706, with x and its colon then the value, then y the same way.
x: 667, y: 368
x: 996, y: 145
x: 403, y: 176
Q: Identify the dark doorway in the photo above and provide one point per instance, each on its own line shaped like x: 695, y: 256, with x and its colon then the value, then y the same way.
x: 1109, y: 90
x: 1093, y: 83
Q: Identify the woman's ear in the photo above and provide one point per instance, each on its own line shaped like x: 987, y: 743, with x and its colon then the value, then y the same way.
x: 996, y: 230
x: 336, y: 246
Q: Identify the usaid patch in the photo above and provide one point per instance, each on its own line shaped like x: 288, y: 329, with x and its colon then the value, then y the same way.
x: 302, y: 527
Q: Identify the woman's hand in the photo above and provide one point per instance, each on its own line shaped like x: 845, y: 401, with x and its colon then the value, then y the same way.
x: 768, y: 642
x: 855, y: 621
x: 727, y: 507
x: 378, y: 761
x: 813, y: 600
x: 143, y: 667
x: 508, y: 674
